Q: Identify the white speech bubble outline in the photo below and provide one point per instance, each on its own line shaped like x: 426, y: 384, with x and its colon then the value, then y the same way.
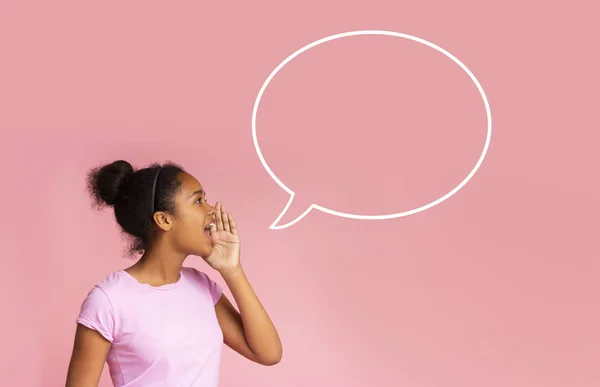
x: 354, y: 216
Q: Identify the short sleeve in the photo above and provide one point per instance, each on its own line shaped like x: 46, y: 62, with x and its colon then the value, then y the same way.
x: 97, y: 313
x: 215, y: 290
x: 213, y: 287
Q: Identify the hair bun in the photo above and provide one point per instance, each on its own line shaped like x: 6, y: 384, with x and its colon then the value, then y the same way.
x: 106, y: 183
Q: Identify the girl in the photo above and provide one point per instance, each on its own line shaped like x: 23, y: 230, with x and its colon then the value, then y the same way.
x: 157, y: 322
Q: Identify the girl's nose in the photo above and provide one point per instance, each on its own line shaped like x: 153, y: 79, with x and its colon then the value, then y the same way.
x: 211, y: 210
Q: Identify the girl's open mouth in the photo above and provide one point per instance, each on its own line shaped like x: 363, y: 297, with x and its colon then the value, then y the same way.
x: 207, y: 230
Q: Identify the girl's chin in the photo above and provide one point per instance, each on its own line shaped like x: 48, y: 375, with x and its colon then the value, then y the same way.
x: 204, y: 254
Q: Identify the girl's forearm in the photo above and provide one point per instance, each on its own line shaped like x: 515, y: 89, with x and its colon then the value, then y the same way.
x: 261, y: 335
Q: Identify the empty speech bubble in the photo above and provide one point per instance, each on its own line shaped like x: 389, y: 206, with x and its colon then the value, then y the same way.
x: 274, y: 225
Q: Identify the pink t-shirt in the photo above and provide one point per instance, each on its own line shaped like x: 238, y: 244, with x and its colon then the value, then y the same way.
x: 161, y: 336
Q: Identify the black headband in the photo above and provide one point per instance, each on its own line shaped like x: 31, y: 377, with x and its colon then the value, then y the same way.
x: 154, y: 189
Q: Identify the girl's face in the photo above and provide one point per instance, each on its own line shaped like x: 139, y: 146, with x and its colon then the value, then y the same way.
x: 193, y: 215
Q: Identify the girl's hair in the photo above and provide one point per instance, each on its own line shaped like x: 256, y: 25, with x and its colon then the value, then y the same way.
x: 130, y: 192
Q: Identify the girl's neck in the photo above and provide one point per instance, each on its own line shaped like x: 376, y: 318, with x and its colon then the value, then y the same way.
x: 157, y: 267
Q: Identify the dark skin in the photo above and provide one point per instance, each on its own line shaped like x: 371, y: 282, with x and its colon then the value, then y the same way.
x: 249, y: 332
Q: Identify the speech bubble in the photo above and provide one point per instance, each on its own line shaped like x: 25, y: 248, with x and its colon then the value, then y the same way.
x: 315, y: 206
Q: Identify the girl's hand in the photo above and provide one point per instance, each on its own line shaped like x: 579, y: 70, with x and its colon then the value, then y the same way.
x: 226, y: 242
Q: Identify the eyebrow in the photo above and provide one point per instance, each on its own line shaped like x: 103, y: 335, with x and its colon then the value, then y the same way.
x: 198, y: 192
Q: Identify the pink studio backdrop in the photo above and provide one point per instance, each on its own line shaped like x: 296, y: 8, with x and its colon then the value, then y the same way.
x: 496, y: 286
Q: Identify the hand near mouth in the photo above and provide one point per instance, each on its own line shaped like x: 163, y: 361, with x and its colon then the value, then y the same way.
x: 226, y: 242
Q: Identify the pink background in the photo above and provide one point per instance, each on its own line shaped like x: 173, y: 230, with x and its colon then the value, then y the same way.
x: 497, y: 286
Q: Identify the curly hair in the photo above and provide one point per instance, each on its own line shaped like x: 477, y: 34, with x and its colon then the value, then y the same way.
x: 130, y: 193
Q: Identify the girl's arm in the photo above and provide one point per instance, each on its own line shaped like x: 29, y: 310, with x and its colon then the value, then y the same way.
x: 250, y: 332
x: 87, y: 360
